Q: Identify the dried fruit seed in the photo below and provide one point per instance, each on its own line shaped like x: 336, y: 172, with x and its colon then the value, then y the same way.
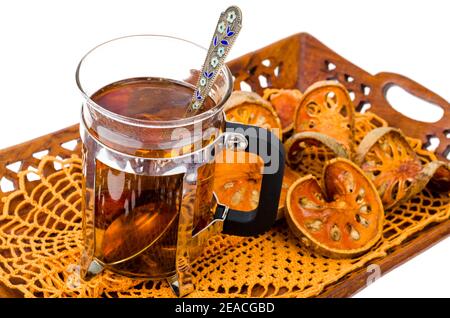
x: 318, y: 196
x: 228, y: 185
x: 314, y: 226
x: 335, y: 233
x: 236, y: 198
x: 255, y: 197
x: 354, y: 234
x: 361, y: 195
x: 308, y: 204
x: 361, y: 220
x: 349, y: 182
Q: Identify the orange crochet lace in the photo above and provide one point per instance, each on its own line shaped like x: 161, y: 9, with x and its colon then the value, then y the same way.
x: 40, y: 244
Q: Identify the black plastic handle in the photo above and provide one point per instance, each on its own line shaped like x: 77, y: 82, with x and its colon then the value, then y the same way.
x: 250, y: 223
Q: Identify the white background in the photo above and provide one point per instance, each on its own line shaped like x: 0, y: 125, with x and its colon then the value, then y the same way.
x: 42, y: 41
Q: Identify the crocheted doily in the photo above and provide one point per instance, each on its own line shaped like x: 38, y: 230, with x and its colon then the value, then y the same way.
x: 41, y: 242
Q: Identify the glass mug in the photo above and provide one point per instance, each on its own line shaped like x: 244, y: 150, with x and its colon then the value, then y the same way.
x: 148, y: 200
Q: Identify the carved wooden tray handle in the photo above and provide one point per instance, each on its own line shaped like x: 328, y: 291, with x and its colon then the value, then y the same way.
x: 411, y: 127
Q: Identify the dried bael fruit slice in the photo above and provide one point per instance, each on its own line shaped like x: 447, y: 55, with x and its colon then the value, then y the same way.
x: 237, y: 179
x: 326, y: 107
x: 285, y: 102
x: 344, y: 219
x: 250, y: 108
x: 307, y: 152
x: 393, y: 166
x: 289, y: 177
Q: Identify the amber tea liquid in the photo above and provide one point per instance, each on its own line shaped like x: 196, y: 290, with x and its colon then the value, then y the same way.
x: 136, y: 216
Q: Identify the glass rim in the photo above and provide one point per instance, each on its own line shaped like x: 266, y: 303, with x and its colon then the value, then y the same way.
x: 155, y: 123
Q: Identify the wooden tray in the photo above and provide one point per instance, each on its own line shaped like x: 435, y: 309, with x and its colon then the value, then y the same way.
x: 296, y: 61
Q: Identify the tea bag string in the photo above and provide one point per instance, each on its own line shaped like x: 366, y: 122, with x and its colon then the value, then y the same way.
x: 225, y: 34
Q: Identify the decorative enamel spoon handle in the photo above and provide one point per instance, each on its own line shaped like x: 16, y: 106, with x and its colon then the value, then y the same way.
x: 227, y: 30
